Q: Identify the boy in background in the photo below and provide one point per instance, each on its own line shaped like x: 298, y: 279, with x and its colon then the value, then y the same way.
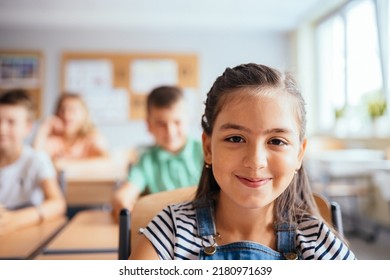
x: 29, y: 192
x: 174, y: 161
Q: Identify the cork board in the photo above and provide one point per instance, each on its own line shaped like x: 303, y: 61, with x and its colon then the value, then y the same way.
x: 134, y: 73
x: 23, y: 69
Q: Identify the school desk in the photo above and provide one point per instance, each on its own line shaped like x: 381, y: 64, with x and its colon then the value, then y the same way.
x: 90, y: 193
x: 93, y: 184
x: 89, y: 231
x: 26, y: 242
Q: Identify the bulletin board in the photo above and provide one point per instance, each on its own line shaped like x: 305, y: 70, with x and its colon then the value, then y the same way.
x: 116, y: 84
x: 23, y: 70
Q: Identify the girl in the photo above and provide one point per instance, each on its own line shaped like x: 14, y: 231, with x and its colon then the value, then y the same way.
x: 253, y: 200
x: 70, y: 134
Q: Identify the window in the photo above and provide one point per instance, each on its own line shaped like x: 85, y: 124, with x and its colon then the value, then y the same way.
x: 350, y: 73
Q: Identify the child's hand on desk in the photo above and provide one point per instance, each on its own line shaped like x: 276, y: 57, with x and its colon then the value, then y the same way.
x: 124, y: 197
x: 118, y: 204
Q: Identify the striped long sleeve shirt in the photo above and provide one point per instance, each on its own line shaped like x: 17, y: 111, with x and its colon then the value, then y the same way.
x: 173, y: 233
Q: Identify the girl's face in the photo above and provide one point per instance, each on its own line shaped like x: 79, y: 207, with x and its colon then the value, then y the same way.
x: 255, y: 148
x: 73, y: 115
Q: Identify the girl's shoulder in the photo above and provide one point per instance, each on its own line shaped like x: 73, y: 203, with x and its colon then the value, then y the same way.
x: 94, y: 135
x: 308, y: 221
x: 309, y: 226
x: 173, y: 232
x: 176, y: 214
x: 316, y: 240
x: 182, y: 210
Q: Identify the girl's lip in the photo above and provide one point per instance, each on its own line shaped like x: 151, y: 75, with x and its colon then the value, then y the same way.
x: 253, y: 182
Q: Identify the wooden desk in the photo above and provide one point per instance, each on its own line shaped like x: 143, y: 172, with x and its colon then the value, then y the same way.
x: 95, y: 256
x: 92, y: 184
x: 90, y: 193
x: 25, y: 242
x: 90, y: 231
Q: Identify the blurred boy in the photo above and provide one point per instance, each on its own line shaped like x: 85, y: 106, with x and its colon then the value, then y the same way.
x: 175, y: 160
x: 29, y: 192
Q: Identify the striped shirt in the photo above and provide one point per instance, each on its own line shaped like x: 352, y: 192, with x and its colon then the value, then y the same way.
x: 173, y: 233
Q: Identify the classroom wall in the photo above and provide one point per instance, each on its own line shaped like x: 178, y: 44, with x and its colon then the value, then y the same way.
x: 217, y: 49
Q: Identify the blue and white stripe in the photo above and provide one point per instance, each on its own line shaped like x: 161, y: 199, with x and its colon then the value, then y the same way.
x: 173, y: 233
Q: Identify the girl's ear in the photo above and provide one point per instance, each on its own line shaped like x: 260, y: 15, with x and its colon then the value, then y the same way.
x: 206, y: 141
x: 302, y: 152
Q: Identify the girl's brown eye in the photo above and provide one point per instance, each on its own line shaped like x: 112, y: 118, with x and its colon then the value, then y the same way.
x: 235, y: 139
x: 277, y: 142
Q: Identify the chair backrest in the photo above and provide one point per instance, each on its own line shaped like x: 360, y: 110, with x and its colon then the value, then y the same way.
x: 150, y: 205
x: 337, y: 218
x: 124, y: 234
x: 324, y: 207
x: 143, y: 212
x: 330, y: 212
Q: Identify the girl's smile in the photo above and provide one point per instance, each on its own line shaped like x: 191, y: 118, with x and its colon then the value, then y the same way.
x: 253, y: 182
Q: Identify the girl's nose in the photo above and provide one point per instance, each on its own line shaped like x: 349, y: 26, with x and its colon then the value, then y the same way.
x: 256, y: 157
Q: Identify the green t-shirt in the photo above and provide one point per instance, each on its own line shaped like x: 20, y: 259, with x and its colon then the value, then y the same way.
x: 159, y: 170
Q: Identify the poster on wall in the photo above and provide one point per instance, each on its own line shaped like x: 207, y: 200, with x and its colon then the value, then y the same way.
x: 20, y: 71
x: 87, y: 75
x: 108, y: 105
x: 93, y: 79
x: 146, y: 74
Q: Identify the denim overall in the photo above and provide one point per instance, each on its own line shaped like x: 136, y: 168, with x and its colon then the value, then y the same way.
x: 244, y: 250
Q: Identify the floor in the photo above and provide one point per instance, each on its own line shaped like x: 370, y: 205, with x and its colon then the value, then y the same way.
x: 370, y: 251
x: 377, y: 250
x: 359, y: 227
x: 368, y: 240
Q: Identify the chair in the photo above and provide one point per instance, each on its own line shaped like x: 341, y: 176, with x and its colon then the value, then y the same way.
x: 150, y: 205
x: 124, y: 234
x: 144, y: 210
x: 330, y: 212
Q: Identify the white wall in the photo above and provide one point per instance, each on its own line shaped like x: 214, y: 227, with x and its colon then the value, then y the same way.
x: 217, y: 49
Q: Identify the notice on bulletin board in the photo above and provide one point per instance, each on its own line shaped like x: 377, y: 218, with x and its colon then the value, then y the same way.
x: 19, y: 71
x: 93, y: 80
x: 146, y: 74
x: 108, y: 105
x: 86, y: 75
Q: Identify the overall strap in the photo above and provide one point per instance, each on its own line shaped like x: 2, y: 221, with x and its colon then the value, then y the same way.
x: 205, y: 221
x: 285, y: 233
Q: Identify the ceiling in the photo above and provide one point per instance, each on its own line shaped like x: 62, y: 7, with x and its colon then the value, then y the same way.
x: 270, y: 15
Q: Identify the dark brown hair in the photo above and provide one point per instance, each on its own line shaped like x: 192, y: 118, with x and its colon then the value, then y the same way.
x: 164, y: 97
x: 18, y: 97
x: 297, y: 200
